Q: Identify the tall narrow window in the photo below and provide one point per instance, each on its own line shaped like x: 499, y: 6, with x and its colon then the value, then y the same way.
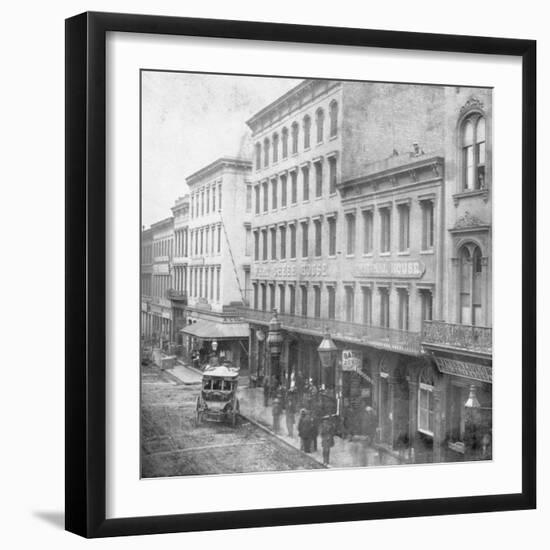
x: 273, y: 232
x: 219, y: 196
x: 294, y: 186
x: 264, y: 296
x: 202, y: 202
x: 284, y: 138
x: 271, y: 296
x: 283, y: 242
x: 213, y: 237
x: 426, y: 305
x: 275, y: 145
x: 274, y: 193
x: 385, y: 230
x: 426, y: 404
x: 208, y: 198
x: 318, y: 179
x: 307, y: 131
x: 350, y: 233
x: 292, y: 299
x: 281, y: 298
x: 304, y: 300
x: 404, y: 222
x: 255, y: 287
x: 256, y: 246
x: 403, y: 308
x: 304, y: 239
x: 367, y: 231
x: 219, y: 238
x: 213, y: 199
x: 317, y: 301
x: 331, y: 291
x: 320, y: 122
x: 427, y: 224
x: 293, y: 240
x: 295, y: 132
x: 318, y: 237
x: 206, y: 235
x: 473, y: 153
x: 248, y: 198
x: 350, y: 305
x: 305, y: 182
x: 367, y: 305
x: 333, y: 118
x: 258, y: 156
x: 384, y: 307
x: 266, y: 196
x: 472, y: 285
x: 332, y: 175
x: 283, y: 190
x: 332, y: 236
x: 266, y: 152
x: 257, y: 198
x: 264, y: 244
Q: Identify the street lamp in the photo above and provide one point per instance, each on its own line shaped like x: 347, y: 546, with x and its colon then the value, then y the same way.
x: 327, y: 355
x: 472, y: 414
x: 275, y: 343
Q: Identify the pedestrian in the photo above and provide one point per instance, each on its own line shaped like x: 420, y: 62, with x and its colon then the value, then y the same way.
x: 304, y: 431
x: 277, y: 410
x: 327, y: 438
x: 290, y: 411
x: 315, y: 422
x: 266, y: 391
x: 371, y: 424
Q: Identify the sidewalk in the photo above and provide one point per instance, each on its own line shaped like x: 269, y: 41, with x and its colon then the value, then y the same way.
x: 341, y: 455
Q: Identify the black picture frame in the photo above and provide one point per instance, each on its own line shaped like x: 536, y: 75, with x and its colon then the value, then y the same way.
x: 86, y: 269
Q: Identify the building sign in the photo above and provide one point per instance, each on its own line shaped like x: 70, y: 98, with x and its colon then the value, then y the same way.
x: 406, y: 269
x: 316, y: 270
x: 352, y: 360
x: 475, y: 371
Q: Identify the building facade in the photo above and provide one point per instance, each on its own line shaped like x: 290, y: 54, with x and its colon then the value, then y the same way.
x: 146, y: 282
x: 369, y: 202
x: 218, y: 260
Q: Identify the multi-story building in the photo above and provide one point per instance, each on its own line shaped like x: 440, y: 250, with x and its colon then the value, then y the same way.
x: 160, y: 311
x: 179, y: 266
x: 218, y: 259
x: 355, y: 185
x: 146, y: 284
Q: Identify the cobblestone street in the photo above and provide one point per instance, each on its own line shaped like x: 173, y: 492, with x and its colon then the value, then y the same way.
x: 172, y: 445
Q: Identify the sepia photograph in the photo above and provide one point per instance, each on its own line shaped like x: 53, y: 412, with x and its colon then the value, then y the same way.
x: 316, y: 274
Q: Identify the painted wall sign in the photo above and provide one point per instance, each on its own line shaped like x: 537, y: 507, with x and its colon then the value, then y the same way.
x: 290, y: 271
x: 465, y: 369
x: 407, y: 269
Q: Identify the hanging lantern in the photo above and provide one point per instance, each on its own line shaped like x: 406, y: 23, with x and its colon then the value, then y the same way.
x: 327, y: 351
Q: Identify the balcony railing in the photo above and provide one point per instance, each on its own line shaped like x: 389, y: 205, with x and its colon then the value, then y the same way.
x: 462, y: 337
x: 177, y: 295
x: 377, y: 337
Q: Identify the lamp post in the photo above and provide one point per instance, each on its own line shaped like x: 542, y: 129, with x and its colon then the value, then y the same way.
x: 327, y: 351
x: 472, y: 417
x: 275, y: 344
x: 214, y: 346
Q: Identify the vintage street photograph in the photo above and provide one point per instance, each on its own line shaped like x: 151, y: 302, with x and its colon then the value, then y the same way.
x: 316, y: 274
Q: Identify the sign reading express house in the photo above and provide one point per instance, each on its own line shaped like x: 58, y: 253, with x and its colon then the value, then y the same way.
x: 406, y: 269
x: 291, y: 271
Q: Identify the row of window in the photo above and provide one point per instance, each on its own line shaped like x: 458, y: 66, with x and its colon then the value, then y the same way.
x: 278, y: 243
x: 270, y: 148
x: 206, y: 240
x: 147, y: 253
x: 163, y: 247
x: 160, y: 285
x: 181, y: 237
x: 205, y: 200
x: 204, y: 282
x: 275, y: 192
x: 282, y: 296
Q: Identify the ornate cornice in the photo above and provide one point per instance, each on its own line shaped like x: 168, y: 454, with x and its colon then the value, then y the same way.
x: 473, y: 103
x: 468, y: 222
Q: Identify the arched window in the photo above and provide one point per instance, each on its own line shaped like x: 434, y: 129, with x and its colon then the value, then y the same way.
x: 266, y: 152
x: 472, y: 286
x: 275, y: 145
x: 285, y: 142
x: 307, y: 131
x: 473, y: 152
x: 295, y: 131
x: 258, y: 156
x: 319, y: 122
x: 333, y: 118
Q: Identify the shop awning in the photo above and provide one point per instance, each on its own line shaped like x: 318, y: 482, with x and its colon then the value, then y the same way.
x: 210, y: 330
x: 465, y: 369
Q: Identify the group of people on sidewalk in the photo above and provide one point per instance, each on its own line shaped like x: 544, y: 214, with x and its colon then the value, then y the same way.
x: 317, y: 418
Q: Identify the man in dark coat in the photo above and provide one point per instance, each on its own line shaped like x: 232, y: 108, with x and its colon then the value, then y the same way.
x: 304, y: 431
x: 327, y: 438
x: 290, y: 411
x: 266, y: 391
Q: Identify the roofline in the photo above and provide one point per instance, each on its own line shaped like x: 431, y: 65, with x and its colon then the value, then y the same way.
x: 165, y: 221
x: 218, y: 164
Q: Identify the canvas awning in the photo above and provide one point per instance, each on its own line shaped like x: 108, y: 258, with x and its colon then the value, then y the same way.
x: 465, y: 369
x: 210, y: 330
